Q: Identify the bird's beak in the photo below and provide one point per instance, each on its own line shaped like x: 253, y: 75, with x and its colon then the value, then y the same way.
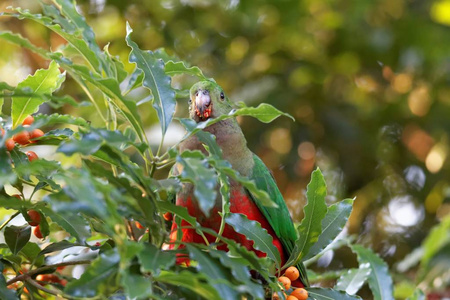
x: 203, y: 104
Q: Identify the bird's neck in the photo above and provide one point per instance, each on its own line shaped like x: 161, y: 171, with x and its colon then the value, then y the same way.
x: 231, y: 140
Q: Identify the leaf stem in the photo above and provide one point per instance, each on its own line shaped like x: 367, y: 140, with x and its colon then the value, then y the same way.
x: 9, y: 220
x: 27, y: 275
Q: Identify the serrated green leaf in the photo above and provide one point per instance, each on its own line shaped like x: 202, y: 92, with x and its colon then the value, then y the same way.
x: 71, y: 222
x: 332, y: 224
x: 311, y: 226
x: 136, y: 286
x: 80, y: 44
x: 155, y: 80
x: 214, y: 271
x: 23, y: 42
x: 153, y: 259
x: 329, y: 294
x: 96, y: 278
x: 264, y: 112
x: 16, y: 237
x: 109, y: 86
x: 192, y: 281
x: 135, y: 80
x: 45, y: 120
x: 197, y: 172
x: 44, y: 81
x: 175, y: 68
x: 380, y: 282
x: 252, y: 230
x: 353, y: 280
x: 240, y: 271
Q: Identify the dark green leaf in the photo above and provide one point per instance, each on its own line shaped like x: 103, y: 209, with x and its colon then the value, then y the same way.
x: 263, y: 241
x: 30, y: 253
x: 155, y: 80
x: 153, y: 259
x: 215, y: 272
x: 5, y: 293
x: 329, y: 294
x: 197, y: 172
x: 88, y: 144
x: 6, y: 173
x: 136, y: 286
x: 16, y: 237
x: 353, y: 280
x: 71, y: 222
x: 240, y: 271
x: 380, y: 282
x: 58, y: 247
x: 332, y: 224
x: 192, y: 281
x: 95, y: 279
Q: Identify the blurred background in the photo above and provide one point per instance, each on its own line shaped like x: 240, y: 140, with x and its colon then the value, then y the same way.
x: 367, y: 82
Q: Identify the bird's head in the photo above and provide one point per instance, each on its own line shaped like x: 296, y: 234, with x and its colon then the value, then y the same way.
x: 207, y: 100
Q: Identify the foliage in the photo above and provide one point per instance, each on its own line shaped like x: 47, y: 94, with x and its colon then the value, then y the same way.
x: 90, y: 206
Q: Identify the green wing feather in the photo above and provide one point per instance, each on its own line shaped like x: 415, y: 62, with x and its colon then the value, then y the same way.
x: 279, y: 218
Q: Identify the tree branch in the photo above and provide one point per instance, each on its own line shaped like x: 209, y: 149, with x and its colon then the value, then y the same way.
x: 27, y: 275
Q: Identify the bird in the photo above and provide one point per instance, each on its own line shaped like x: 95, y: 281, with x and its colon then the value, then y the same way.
x: 207, y: 100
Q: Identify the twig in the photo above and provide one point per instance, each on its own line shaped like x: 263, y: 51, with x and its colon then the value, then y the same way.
x: 42, y: 288
x: 28, y: 274
x: 9, y: 220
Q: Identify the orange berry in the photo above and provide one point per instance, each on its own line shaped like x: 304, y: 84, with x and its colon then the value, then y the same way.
x: 167, y: 216
x: 37, y: 133
x: 285, y: 281
x: 139, y: 225
x: 292, y: 273
x: 10, y: 144
x: 35, y: 217
x: 31, y: 155
x: 2, y: 131
x: 300, y: 294
x: 37, y: 232
x: 290, y: 297
x: 28, y: 120
x: 60, y: 268
x: 22, y: 138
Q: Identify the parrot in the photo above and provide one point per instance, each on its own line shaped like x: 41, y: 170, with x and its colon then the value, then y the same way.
x: 208, y: 100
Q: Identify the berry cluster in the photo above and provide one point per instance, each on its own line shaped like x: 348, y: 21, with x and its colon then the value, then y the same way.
x: 24, y: 138
x: 291, y: 274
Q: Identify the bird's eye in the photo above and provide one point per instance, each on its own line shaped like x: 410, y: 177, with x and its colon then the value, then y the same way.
x: 222, y: 96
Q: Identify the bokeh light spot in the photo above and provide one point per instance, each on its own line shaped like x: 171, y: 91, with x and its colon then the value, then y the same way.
x: 419, y: 101
x: 306, y: 150
x: 436, y: 158
x: 404, y: 212
x: 440, y: 12
x: 402, y: 83
x: 280, y: 140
